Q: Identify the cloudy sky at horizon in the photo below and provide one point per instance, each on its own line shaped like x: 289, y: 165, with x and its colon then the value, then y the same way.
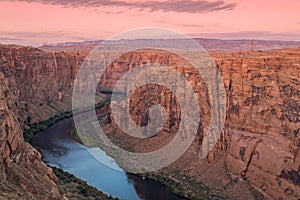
x: 33, y: 22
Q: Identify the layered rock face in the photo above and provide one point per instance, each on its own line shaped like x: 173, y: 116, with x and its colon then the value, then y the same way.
x: 22, y: 172
x: 30, y: 81
x: 260, y: 137
x: 259, y: 143
x: 146, y: 96
x: 262, y: 123
x: 37, y: 78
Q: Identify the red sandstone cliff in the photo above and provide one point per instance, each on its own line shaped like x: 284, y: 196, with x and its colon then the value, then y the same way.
x: 33, y: 84
x: 260, y: 142
x: 262, y: 123
x: 22, y: 172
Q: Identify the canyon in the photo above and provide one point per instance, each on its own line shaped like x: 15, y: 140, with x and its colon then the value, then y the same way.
x: 257, y: 156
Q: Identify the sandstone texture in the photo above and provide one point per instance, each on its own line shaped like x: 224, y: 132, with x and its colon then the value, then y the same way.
x: 31, y: 89
x: 34, y: 87
x: 260, y: 140
x: 22, y: 174
x: 262, y: 123
x: 259, y: 143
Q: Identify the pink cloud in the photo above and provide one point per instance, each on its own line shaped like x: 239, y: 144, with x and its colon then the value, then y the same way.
x: 181, y: 6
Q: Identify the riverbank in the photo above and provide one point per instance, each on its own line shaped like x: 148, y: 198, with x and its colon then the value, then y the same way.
x: 31, y: 129
x: 76, y: 189
x: 189, y: 176
x: 60, y: 150
x: 69, y: 185
x: 183, y: 185
x: 179, y: 182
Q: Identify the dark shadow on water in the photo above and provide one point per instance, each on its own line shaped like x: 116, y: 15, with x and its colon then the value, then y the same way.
x: 152, y: 189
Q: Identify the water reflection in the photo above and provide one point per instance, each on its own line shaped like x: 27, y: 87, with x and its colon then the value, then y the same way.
x: 60, y: 150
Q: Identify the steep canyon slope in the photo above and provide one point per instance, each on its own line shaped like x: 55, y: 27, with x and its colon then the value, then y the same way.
x: 260, y: 141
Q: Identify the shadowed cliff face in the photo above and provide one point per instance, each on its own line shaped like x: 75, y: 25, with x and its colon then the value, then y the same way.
x: 37, y: 78
x: 31, y: 82
x: 260, y: 142
x: 22, y: 172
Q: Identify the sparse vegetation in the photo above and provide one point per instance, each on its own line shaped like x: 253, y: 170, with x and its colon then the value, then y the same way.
x: 76, y: 189
x: 184, y: 185
x: 40, y: 126
x: 34, y: 128
x: 70, y: 186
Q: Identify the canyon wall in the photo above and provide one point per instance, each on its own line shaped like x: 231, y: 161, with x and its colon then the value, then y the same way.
x: 262, y: 123
x: 260, y: 141
x: 31, y: 80
x: 37, y: 78
x: 22, y: 172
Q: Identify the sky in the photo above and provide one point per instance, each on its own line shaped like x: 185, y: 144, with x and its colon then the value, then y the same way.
x: 34, y: 22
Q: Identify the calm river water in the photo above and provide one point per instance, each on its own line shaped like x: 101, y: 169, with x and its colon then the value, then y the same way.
x: 59, y: 149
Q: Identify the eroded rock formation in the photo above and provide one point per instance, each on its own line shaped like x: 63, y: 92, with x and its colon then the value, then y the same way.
x: 262, y: 123
x: 260, y: 141
x: 31, y: 81
x: 22, y: 172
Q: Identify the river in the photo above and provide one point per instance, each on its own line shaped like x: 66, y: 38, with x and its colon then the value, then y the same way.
x: 60, y: 150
